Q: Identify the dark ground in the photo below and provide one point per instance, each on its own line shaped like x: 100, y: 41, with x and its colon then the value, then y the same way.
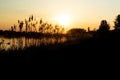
x: 97, y: 51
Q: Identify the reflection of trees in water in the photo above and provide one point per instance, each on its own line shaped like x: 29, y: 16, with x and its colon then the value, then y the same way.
x: 22, y: 42
x: 47, y: 41
x: 13, y: 43
x: 31, y: 42
x: 2, y: 44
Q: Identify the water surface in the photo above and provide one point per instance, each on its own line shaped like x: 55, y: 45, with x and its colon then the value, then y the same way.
x: 22, y: 42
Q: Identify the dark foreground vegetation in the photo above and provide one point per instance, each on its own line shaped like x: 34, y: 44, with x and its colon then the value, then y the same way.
x: 102, y: 46
x: 94, y: 49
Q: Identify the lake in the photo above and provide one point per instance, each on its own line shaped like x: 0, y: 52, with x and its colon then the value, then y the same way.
x: 23, y: 42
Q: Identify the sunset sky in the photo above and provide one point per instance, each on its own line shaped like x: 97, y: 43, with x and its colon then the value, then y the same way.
x: 82, y: 13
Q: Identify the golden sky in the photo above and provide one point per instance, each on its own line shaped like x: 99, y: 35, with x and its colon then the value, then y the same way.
x: 83, y: 13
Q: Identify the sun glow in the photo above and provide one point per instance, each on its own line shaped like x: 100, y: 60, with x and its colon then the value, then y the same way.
x: 63, y: 20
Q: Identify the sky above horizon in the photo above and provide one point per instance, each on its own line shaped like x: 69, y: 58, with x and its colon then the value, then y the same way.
x: 83, y: 13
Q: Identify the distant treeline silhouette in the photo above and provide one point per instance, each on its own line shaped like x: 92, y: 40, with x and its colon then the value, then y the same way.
x: 96, y: 47
x: 32, y: 27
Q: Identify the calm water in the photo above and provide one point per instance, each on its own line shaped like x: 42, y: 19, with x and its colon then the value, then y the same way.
x: 22, y: 42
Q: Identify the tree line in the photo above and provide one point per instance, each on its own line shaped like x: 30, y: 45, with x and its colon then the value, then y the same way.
x: 32, y: 25
x: 104, y: 26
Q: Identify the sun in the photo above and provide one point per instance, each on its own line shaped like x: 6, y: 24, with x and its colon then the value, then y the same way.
x: 63, y: 20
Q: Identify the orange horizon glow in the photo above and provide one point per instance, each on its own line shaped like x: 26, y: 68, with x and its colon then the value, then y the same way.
x: 83, y: 13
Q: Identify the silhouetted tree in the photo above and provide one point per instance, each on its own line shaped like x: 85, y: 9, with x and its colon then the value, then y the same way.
x: 117, y: 22
x: 104, y: 27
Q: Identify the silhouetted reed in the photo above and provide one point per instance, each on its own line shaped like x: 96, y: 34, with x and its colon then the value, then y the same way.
x: 76, y: 45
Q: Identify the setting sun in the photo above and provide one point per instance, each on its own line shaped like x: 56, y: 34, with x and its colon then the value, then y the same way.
x: 59, y: 32
x: 64, y: 19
